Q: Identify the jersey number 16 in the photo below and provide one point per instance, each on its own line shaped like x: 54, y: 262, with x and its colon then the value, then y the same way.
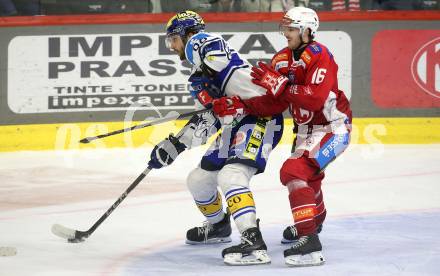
x: 318, y: 75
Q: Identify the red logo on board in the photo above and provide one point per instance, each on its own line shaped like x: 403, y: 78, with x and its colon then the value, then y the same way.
x: 405, y: 73
x: 425, y: 67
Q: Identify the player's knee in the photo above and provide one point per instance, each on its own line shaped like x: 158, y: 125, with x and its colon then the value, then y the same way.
x: 293, y: 169
x: 287, y: 173
x: 234, y: 175
x: 200, y: 179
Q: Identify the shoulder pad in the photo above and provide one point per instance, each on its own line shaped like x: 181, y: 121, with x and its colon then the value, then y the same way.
x: 212, y: 46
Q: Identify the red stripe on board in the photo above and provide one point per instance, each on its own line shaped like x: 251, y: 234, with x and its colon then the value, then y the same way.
x: 90, y: 19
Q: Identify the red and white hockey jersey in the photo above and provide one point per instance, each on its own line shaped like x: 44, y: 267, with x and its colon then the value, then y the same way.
x: 312, y: 95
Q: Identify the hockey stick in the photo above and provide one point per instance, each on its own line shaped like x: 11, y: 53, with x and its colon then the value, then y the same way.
x: 152, y: 123
x: 76, y: 236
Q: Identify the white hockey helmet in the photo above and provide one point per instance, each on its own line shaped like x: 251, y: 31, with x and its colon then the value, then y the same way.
x: 301, y: 18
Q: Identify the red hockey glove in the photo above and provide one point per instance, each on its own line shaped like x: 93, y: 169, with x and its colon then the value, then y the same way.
x: 265, y: 76
x: 228, y: 108
x: 199, y: 89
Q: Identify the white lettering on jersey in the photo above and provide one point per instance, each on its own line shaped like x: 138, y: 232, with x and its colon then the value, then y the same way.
x: 319, y: 75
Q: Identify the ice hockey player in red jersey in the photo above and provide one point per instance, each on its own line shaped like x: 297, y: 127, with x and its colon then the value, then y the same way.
x: 303, y: 78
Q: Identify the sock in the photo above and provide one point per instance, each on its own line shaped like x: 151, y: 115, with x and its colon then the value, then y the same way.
x: 302, y: 202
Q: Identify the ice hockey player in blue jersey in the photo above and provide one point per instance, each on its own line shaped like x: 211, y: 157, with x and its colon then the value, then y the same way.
x: 240, y: 151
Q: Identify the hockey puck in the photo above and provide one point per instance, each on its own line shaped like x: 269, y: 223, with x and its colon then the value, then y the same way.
x: 7, y: 251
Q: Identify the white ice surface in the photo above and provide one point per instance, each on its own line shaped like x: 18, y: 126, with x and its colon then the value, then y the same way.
x: 383, y: 207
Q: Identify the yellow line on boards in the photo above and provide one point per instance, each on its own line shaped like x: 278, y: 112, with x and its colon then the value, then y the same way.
x: 66, y: 136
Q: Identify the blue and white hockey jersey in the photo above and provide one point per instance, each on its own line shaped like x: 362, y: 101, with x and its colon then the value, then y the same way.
x: 249, y: 139
x: 232, y: 74
x: 227, y: 74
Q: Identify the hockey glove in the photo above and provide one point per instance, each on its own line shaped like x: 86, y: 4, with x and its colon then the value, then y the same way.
x: 268, y: 78
x: 166, y: 152
x: 199, y: 87
x: 228, y: 108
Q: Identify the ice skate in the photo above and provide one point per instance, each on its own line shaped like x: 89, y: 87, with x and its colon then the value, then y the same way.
x: 290, y: 234
x: 251, y: 251
x: 305, y: 252
x: 210, y: 233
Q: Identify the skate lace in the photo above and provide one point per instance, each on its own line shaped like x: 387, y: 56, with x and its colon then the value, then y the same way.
x: 301, y: 241
x: 293, y: 230
x: 204, y: 230
x: 245, y: 239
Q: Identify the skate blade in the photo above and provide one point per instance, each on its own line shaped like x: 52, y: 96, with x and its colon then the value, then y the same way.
x: 312, y: 259
x: 255, y: 258
x: 286, y: 241
x: 210, y: 241
x: 63, y: 232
